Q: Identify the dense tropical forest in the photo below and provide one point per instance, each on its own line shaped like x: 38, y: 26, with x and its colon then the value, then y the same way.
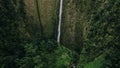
x: 90, y: 34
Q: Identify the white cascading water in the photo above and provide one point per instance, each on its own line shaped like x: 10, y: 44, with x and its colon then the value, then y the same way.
x: 59, y: 24
x: 60, y: 19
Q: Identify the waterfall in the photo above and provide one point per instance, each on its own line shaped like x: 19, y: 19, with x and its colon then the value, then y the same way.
x: 60, y: 19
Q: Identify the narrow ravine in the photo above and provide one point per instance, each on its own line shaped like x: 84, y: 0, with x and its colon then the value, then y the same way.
x: 60, y: 20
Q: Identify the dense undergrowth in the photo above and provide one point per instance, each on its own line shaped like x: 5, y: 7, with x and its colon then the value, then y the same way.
x: 101, y: 47
x: 19, y: 48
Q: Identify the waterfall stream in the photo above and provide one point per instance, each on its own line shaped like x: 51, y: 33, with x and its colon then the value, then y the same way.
x: 60, y: 19
x: 59, y: 24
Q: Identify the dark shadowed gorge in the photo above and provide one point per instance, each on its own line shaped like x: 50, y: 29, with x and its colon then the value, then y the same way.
x: 89, y: 34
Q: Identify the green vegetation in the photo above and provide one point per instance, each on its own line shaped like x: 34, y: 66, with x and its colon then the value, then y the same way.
x: 89, y: 39
x: 102, y: 35
x: 44, y: 54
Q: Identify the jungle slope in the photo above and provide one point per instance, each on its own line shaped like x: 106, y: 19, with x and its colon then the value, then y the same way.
x: 101, y: 34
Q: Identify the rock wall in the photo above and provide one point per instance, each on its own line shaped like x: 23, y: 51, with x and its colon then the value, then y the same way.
x: 42, y: 16
x: 71, y: 25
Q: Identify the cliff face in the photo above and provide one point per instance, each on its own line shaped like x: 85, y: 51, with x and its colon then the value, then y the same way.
x: 48, y: 13
x: 71, y: 25
x: 33, y: 23
x: 44, y: 14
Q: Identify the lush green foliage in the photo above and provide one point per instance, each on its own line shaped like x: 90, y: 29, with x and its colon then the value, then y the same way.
x: 11, y: 38
x: 44, y: 54
x: 103, y: 35
x: 21, y: 47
